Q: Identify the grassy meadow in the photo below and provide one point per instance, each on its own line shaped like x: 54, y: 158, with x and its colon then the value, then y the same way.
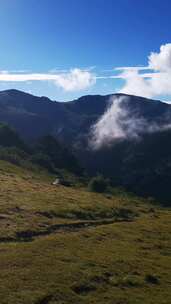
x: 64, y: 245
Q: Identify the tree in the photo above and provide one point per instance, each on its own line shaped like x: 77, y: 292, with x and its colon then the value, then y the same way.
x: 98, y: 184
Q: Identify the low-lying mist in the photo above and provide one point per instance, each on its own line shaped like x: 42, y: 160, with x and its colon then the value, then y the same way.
x: 119, y: 122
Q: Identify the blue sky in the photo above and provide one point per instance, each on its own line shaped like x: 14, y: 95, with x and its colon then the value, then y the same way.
x: 80, y: 43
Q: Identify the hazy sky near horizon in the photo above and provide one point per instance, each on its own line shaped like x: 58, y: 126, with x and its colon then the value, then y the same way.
x: 67, y: 48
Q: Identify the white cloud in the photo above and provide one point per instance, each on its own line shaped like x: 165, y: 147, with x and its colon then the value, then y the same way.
x: 150, y: 81
x: 73, y: 80
x: 161, y: 61
x: 108, y: 127
x: 136, y: 84
x: 154, y: 83
x: 133, y: 68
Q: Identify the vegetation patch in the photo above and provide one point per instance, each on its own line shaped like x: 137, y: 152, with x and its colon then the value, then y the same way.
x: 84, y: 288
x: 44, y: 300
x: 98, y: 184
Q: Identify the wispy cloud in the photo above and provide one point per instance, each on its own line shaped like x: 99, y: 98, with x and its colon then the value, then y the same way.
x: 152, y: 80
x: 73, y: 80
x: 119, y: 122
x: 132, y: 68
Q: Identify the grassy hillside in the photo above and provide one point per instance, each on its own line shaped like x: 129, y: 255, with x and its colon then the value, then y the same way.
x: 64, y: 245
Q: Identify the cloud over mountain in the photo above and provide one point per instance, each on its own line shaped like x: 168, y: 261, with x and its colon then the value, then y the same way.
x: 151, y: 81
x: 120, y: 122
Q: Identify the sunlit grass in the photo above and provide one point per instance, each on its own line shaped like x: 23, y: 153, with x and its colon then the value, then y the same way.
x: 123, y: 262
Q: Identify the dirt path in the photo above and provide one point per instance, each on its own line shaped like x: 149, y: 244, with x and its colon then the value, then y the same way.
x: 30, y: 235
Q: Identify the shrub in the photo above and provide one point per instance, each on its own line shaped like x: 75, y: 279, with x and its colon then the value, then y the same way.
x: 98, y: 184
x: 42, y: 160
x: 55, y: 152
x: 10, y: 138
x: 12, y: 155
x: 152, y: 279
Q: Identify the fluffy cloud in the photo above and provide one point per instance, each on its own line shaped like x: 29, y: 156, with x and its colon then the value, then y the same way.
x: 73, y: 80
x: 152, y: 83
x: 161, y: 61
x: 76, y: 79
x: 135, y: 84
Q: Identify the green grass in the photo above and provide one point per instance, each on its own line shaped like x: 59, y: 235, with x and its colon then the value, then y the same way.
x: 111, y: 249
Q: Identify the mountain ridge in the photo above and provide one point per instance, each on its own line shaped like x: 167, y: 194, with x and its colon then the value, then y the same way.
x: 34, y: 116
